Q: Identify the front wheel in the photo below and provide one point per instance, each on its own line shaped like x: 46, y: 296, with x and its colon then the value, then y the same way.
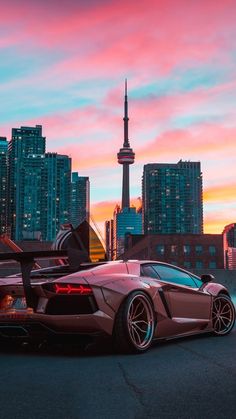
x: 223, y: 315
x: 134, y: 324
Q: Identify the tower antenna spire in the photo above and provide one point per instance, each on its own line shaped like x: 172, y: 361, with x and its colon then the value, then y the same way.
x: 126, y: 155
x: 126, y: 119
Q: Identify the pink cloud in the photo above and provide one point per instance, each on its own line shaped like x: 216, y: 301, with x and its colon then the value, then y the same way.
x: 196, y: 142
x: 153, y: 39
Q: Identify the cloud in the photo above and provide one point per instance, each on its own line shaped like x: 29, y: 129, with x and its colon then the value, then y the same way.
x: 179, y: 58
x: 104, y: 210
x: 220, y: 193
x: 103, y: 39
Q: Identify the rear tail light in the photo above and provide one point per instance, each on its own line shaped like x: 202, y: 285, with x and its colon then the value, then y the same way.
x: 72, y: 289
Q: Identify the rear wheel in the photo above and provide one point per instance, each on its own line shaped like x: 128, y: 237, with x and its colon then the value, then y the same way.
x: 134, y: 325
x: 223, y: 315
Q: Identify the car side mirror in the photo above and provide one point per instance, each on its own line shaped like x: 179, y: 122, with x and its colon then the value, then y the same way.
x: 207, y: 278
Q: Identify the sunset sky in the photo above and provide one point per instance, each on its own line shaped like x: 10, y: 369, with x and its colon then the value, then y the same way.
x: 63, y: 65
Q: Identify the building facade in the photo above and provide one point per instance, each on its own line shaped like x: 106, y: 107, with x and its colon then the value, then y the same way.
x: 109, y: 239
x: 172, y: 198
x: 80, y: 199
x: 39, y: 187
x: 33, y: 198
x: 126, y: 221
x: 3, y: 185
x: 25, y: 141
x: 57, y: 176
x: 229, y: 240
x: 189, y: 251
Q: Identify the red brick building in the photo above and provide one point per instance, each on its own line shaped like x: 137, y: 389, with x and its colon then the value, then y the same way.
x: 190, y: 251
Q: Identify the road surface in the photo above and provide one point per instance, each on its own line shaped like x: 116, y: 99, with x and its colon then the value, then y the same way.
x: 186, y: 378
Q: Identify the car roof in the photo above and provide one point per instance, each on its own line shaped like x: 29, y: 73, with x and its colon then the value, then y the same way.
x: 131, y: 266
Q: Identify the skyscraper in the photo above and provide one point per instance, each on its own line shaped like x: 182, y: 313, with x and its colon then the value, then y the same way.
x: 3, y: 184
x: 172, y: 198
x: 80, y: 199
x: 25, y: 141
x: 58, y: 193
x: 126, y: 219
x: 39, y: 186
x: 33, y: 198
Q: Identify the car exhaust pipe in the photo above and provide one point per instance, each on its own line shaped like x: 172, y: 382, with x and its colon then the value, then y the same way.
x: 13, y: 332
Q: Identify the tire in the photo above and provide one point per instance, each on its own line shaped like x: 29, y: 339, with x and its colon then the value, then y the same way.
x: 134, y: 324
x: 223, y: 315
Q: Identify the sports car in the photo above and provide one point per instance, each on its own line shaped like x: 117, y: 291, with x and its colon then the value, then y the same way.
x: 134, y: 302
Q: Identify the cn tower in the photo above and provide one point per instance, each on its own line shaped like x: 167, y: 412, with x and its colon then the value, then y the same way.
x: 125, y: 156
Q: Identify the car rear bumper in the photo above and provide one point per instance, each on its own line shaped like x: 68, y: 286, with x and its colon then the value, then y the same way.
x: 37, y: 332
x: 24, y: 324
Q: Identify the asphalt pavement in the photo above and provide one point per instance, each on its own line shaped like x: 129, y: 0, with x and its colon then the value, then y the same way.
x: 185, y: 378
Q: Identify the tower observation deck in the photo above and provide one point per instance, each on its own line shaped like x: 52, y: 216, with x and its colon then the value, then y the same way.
x: 125, y: 156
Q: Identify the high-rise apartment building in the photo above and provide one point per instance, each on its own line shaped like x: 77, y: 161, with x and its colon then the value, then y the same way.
x: 39, y: 186
x: 25, y: 141
x: 80, y: 199
x: 33, y: 213
x: 3, y: 184
x: 58, y: 193
x: 172, y: 198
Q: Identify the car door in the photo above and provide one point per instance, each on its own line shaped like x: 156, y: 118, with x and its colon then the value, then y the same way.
x: 184, y: 298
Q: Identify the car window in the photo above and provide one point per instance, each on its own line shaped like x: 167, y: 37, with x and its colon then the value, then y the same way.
x: 197, y: 281
x: 169, y: 274
x: 147, y: 270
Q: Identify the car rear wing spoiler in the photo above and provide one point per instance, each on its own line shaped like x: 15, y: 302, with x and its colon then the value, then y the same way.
x: 27, y: 261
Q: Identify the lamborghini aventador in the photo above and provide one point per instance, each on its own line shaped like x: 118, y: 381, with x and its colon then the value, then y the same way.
x: 134, y: 302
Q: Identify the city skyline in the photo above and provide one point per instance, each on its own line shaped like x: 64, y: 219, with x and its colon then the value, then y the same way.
x: 179, y: 61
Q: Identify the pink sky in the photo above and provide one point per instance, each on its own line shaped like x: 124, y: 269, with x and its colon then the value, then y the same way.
x: 63, y: 65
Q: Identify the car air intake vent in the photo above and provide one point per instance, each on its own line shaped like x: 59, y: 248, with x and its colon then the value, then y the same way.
x: 71, y: 304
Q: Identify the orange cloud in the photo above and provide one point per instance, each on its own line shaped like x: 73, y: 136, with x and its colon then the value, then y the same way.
x: 220, y: 193
x: 214, y: 222
x: 102, y: 211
